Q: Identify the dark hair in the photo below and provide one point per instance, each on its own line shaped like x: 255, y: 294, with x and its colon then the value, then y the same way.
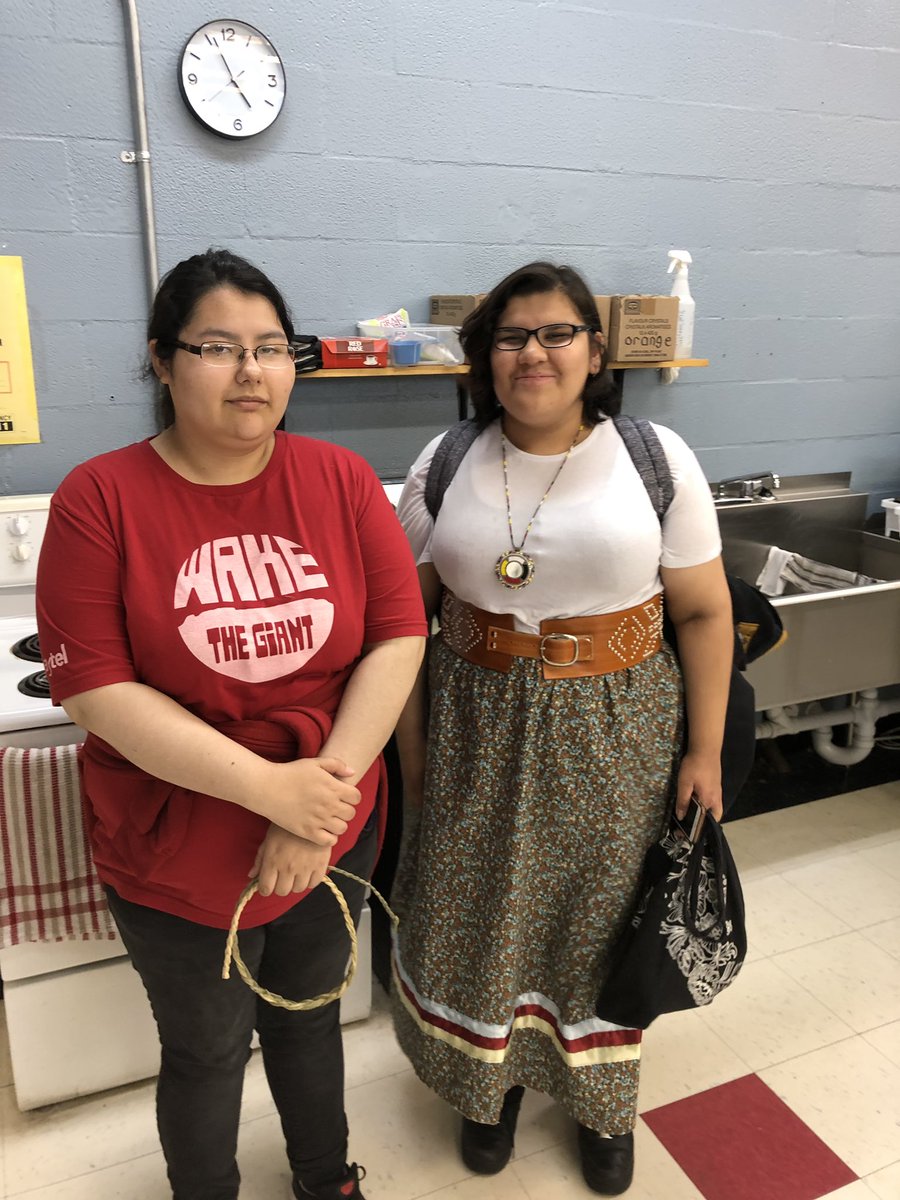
x: 182, y: 289
x: 601, y: 397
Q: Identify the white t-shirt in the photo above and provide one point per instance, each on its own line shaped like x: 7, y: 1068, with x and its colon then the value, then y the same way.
x: 597, y: 544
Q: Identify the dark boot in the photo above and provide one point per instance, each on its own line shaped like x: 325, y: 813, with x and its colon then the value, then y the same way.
x: 607, y: 1164
x: 486, y: 1149
x: 345, y: 1187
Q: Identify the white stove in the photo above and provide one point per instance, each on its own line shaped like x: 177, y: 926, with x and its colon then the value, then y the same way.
x: 77, y: 1016
x: 25, y: 704
x: 27, y: 717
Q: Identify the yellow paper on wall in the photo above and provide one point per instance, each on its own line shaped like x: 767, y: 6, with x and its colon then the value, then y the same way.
x: 18, y: 400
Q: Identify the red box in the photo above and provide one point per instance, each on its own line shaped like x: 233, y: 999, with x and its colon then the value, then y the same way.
x: 350, y: 352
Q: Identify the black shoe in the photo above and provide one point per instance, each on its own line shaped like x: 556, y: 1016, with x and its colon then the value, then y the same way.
x: 486, y: 1149
x: 346, y: 1187
x: 607, y: 1164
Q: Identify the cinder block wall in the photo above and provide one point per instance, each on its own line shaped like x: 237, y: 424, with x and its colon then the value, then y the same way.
x: 432, y: 147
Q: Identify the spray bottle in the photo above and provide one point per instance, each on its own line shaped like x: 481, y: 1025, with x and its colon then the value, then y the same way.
x: 684, y: 336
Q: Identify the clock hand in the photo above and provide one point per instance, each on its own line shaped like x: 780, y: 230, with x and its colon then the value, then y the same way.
x: 209, y: 99
x: 231, y: 74
x: 234, y: 79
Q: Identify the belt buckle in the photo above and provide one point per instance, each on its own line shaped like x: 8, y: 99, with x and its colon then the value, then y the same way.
x: 564, y: 637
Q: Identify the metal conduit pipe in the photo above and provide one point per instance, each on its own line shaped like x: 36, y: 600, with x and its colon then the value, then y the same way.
x: 140, y: 156
x: 862, y: 714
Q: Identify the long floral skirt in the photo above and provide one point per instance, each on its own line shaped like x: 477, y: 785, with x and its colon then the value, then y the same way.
x: 541, y: 799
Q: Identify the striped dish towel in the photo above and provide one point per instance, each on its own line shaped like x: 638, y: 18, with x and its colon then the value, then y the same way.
x: 49, y: 889
x: 783, y: 569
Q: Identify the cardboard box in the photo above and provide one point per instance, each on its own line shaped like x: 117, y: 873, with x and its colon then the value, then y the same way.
x: 453, y: 310
x: 642, y: 328
x: 603, y: 303
x: 354, y: 352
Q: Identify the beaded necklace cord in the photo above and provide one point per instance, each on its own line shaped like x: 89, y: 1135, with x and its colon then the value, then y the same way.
x: 514, y: 568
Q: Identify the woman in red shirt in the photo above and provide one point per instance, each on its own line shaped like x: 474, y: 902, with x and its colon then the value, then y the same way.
x: 233, y: 615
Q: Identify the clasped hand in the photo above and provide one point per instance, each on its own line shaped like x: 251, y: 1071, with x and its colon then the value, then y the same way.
x: 311, y: 799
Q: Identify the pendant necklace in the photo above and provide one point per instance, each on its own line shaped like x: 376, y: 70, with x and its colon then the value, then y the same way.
x: 515, y: 568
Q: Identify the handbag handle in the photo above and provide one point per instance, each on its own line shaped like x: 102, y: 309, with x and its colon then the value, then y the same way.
x: 708, y: 845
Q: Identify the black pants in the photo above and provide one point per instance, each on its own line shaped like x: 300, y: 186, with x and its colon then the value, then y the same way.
x: 206, y: 1023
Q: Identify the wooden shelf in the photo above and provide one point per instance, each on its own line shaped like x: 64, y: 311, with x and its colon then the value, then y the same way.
x: 439, y: 369
x: 655, y: 366
x: 382, y: 372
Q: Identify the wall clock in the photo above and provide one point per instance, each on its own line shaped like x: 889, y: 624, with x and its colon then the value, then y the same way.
x: 231, y: 78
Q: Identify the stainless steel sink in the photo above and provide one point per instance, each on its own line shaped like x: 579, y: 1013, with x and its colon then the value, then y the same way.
x: 838, y: 641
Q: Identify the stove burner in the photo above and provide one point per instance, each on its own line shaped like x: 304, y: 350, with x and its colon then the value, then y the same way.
x: 37, y: 685
x: 27, y: 649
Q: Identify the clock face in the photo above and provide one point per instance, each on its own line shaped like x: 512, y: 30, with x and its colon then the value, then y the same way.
x: 232, y: 78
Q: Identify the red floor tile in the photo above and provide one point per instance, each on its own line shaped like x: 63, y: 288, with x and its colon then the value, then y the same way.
x: 740, y: 1142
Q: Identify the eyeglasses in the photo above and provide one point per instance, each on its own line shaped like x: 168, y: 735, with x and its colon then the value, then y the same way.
x: 272, y: 356
x: 551, y: 337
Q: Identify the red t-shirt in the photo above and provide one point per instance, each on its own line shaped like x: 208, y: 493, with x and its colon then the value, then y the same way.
x: 249, y: 604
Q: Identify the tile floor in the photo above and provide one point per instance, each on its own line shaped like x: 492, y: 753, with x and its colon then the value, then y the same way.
x: 787, y: 1088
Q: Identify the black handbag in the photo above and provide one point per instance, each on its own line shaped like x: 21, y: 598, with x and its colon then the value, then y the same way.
x: 686, y: 941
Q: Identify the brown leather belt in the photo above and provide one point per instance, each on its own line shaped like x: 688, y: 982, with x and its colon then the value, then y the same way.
x: 567, y: 647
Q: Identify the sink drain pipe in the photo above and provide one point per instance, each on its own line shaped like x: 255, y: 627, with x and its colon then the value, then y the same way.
x: 862, y: 714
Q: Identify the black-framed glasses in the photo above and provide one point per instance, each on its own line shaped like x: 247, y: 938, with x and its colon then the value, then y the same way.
x: 551, y: 337
x: 271, y: 355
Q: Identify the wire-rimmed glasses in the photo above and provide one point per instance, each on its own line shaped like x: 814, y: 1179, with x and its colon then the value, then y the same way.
x: 271, y: 355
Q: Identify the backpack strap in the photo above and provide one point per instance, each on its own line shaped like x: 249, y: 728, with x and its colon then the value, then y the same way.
x: 643, y: 444
x: 758, y: 626
x: 450, y: 452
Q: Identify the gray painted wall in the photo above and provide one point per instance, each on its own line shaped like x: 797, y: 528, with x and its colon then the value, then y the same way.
x: 429, y: 147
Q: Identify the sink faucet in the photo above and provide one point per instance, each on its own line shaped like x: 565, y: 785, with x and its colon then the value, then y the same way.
x: 745, y: 487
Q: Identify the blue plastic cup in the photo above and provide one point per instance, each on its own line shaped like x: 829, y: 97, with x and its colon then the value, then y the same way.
x: 405, y: 354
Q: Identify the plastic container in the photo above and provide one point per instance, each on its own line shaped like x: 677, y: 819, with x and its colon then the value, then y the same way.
x: 378, y: 330
x: 370, y: 329
x: 404, y: 352
x: 391, y: 323
x: 440, y: 344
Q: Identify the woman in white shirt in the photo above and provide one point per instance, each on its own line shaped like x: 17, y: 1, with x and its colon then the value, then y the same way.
x: 542, y: 750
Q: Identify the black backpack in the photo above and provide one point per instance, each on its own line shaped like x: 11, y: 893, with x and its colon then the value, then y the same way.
x: 757, y: 625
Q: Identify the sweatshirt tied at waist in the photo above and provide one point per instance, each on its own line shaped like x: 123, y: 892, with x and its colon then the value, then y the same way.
x: 187, y: 853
